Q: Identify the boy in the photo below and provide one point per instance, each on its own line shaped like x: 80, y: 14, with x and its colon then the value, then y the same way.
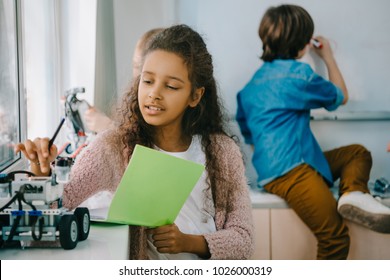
x: 274, y: 116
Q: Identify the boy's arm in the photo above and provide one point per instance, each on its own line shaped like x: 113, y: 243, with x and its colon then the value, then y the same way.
x: 334, y: 72
x: 242, y: 122
x: 336, y: 77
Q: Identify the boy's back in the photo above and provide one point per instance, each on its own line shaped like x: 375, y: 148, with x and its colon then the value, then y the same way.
x: 275, y: 107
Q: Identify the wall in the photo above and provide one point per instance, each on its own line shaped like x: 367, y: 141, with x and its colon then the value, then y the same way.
x: 357, y: 31
x: 105, y: 70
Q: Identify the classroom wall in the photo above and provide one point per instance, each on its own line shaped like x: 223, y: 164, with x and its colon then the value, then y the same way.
x: 230, y: 28
x: 230, y: 31
x: 357, y: 31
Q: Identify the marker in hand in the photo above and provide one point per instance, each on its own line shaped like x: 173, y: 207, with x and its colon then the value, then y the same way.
x: 317, y: 44
x: 51, y: 141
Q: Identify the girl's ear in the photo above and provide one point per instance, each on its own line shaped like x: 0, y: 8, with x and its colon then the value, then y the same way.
x: 196, y: 97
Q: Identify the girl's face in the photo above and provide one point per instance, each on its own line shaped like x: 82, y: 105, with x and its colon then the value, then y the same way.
x: 164, y: 92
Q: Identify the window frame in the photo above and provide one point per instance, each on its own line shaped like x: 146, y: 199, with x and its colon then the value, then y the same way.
x: 18, y: 162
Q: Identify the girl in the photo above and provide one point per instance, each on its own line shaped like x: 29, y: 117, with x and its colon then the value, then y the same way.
x: 173, y: 106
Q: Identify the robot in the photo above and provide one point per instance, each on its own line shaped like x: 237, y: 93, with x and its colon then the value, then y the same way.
x: 75, y: 108
x: 31, y: 211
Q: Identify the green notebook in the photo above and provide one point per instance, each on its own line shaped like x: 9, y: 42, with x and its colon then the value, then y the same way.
x: 153, y: 188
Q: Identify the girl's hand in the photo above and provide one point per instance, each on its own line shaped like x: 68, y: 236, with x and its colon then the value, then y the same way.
x: 37, y: 152
x: 170, y: 240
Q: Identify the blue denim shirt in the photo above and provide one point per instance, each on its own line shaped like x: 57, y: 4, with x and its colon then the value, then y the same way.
x: 274, y: 115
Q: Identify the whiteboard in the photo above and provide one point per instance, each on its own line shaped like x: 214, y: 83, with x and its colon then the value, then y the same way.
x: 358, y: 30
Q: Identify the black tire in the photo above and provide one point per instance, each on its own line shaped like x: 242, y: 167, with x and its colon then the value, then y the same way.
x: 4, y: 221
x: 83, y: 221
x: 69, y: 231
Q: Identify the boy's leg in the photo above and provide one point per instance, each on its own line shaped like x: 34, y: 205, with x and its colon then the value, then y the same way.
x: 307, y: 193
x: 352, y: 164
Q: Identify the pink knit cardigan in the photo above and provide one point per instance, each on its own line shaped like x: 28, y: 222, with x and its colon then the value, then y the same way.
x: 101, y: 165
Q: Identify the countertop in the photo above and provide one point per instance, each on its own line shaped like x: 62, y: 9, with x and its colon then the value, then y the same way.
x: 105, y: 242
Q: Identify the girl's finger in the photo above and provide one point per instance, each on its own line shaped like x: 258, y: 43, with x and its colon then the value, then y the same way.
x: 31, y: 149
x: 44, y: 147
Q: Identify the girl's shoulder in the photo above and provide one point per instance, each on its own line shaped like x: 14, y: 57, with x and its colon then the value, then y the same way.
x: 108, y: 141
x: 225, y: 142
x: 109, y: 136
x: 222, y: 138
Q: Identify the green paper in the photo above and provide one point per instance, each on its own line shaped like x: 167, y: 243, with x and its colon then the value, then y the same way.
x: 153, y: 188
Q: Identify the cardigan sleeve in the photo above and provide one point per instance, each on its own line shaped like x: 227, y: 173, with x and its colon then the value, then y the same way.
x: 235, y: 232
x: 98, y: 168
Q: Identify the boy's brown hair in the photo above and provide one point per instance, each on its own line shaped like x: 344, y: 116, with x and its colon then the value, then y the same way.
x: 284, y: 31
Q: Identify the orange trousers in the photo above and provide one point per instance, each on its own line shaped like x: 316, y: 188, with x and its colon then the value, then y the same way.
x: 305, y: 190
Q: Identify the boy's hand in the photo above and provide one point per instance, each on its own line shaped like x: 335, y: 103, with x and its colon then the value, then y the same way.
x: 325, y: 52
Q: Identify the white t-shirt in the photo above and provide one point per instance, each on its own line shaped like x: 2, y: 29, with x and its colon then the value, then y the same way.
x: 197, y: 213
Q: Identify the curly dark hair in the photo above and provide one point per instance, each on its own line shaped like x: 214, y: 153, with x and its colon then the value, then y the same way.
x: 206, y: 119
x: 284, y: 31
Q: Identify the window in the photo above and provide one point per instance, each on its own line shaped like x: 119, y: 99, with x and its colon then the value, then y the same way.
x: 12, y: 121
x: 57, y: 55
x: 46, y: 48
